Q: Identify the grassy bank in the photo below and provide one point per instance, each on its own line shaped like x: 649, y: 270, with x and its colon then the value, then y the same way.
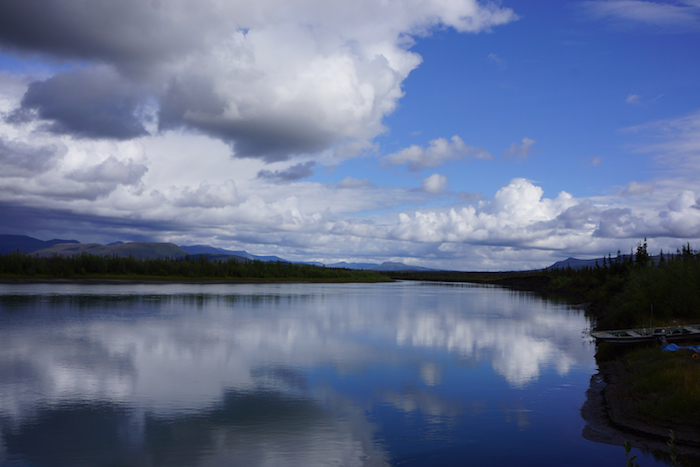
x: 665, y: 384
x: 662, y: 386
x: 190, y: 268
x: 650, y: 394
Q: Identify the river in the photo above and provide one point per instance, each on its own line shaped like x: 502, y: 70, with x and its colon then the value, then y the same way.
x: 397, y: 374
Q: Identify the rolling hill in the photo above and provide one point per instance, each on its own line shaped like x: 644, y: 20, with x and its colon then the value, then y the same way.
x: 140, y: 250
x: 143, y: 250
x: 12, y: 243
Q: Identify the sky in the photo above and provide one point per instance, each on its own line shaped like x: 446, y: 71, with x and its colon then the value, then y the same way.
x: 455, y: 134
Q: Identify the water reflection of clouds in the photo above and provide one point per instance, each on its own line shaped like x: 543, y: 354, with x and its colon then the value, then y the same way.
x: 170, y: 372
x: 159, y: 358
x: 516, y: 412
x: 430, y: 404
x: 178, y: 355
x: 517, y: 348
x: 430, y: 373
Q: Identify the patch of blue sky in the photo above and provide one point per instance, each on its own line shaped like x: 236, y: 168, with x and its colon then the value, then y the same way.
x: 572, y: 86
x: 31, y: 65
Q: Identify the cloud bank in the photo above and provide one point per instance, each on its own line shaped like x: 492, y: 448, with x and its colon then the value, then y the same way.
x: 272, y: 79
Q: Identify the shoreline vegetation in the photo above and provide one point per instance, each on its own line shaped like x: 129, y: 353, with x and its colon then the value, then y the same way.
x: 85, y: 267
x: 623, y: 292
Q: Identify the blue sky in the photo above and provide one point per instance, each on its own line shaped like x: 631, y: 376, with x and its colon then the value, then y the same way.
x: 558, y: 77
x: 462, y: 135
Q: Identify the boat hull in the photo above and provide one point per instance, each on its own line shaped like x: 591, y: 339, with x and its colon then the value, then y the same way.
x: 642, y: 335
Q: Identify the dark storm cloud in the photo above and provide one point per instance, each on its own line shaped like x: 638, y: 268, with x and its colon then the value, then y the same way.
x: 20, y: 116
x: 274, y: 140
x: 128, y: 33
x: 188, y: 97
x: 63, y: 223
x: 295, y: 172
x: 147, y: 44
x: 19, y: 159
x: 88, y: 103
x: 192, y: 103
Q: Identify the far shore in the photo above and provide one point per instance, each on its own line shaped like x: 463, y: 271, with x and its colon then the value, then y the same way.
x: 107, y: 281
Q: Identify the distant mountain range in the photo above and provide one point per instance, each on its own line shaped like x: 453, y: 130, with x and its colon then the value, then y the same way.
x: 574, y: 263
x: 12, y: 243
x: 210, y: 250
x: 140, y: 250
x: 386, y: 266
x: 143, y: 250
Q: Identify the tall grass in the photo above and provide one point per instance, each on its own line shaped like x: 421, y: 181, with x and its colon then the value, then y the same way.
x: 665, y: 384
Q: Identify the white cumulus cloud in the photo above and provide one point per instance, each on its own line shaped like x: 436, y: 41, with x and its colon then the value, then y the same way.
x: 520, y: 151
x: 636, y: 188
x: 435, y: 184
x: 438, y: 152
x: 516, y: 214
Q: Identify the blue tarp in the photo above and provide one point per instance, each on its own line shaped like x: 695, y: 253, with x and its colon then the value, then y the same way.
x: 674, y: 347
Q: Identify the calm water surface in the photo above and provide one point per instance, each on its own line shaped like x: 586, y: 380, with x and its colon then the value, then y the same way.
x: 401, y: 374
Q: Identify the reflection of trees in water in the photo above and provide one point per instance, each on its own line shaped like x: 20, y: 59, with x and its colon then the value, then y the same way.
x: 14, y: 303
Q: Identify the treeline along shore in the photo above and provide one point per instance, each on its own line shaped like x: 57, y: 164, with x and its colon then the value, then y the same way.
x: 619, y: 292
x: 190, y: 268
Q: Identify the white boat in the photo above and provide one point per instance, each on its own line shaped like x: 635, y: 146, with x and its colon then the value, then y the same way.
x: 640, y: 335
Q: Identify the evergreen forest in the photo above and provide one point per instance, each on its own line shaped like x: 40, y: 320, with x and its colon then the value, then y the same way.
x: 626, y: 291
x: 196, y: 267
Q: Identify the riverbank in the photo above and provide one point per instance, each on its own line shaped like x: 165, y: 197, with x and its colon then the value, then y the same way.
x: 617, y: 407
x: 635, y: 396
